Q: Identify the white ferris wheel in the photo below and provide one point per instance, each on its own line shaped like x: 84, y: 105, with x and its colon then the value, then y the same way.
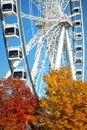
x: 40, y: 35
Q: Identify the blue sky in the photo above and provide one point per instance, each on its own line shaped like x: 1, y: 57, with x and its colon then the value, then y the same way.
x: 3, y: 58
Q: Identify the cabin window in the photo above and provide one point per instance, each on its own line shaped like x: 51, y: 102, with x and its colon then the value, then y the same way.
x: 78, y: 61
x: 13, y: 53
x: 77, y: 23
x: 76, y: 10
x: 7, y: 7
x: 78, y: 72
x: 79, y: 35
x: 9, y: 31
x: 17, y: 74
x: 78, y: 48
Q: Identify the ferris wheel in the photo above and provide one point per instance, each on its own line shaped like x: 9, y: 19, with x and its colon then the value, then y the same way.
x: 40, y: 35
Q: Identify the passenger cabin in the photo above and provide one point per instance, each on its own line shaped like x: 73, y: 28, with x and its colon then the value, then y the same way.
x: 19, y: 73
x: 15, y: 53
x: 78, y: 61
x: 78, y: 49
x: 11, y: 31
x: 78, y: 36
x: 9, y: 7
x: 79, y: 72
x: 76, y: 10
x: 77, y: 23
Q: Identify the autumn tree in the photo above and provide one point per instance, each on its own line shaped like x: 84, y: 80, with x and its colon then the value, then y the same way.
x: 17, y: 105
x: 65, y: 107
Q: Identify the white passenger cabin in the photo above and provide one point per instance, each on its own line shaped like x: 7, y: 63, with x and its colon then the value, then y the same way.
x: 19, y: 73
x: 77, y: 36
x: 11, y: 31
x: 9, y: 7
x: 15, y: 53
x: 78, y: 61
x: 77, y: 23
x: 76, y: 10
x: 78, y: 72
x: 78, y: 48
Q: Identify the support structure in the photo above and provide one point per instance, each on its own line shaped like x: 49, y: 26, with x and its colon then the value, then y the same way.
x: 60, y: 49
x: 70, y: 56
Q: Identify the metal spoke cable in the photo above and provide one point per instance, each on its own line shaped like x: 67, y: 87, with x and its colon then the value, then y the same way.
x: 51, y: 50
x: 67, y: 3
x: 36, y: 60
x: 38, y: 7
x: 31, y: 22
x: 32, y: 42
x: 41, y: 70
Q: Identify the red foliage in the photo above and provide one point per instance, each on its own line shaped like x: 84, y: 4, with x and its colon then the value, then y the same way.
x: 17, y: 105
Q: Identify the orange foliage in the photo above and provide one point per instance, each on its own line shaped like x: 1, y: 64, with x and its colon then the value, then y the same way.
x: 17, y: 105
x: 65, y: 107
